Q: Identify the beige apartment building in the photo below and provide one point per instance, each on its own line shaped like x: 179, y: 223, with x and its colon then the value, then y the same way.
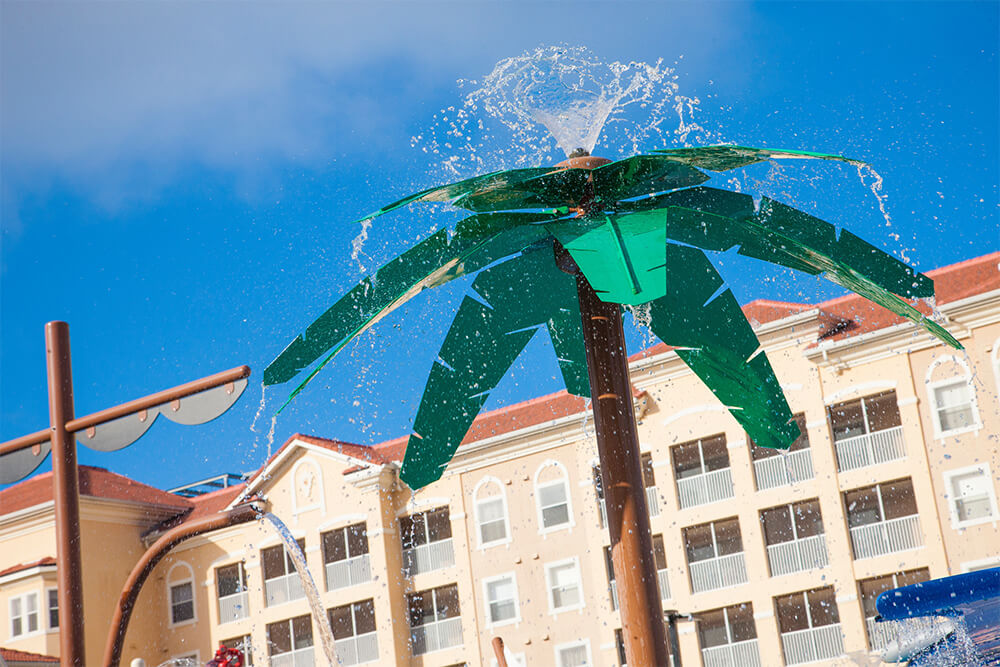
x: 777, y: 557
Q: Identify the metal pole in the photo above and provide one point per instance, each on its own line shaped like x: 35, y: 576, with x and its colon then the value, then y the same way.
x: 621, y: 472
x: 498, y: 652
x: 65, y: 495
x: 133, y: 585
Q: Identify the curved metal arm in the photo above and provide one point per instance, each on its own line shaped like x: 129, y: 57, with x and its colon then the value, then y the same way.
x: 148, y: 561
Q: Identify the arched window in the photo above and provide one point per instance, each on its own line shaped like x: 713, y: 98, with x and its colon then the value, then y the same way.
x: 952, y: 396
x: 180, y: 594
x: 555, y: 511
x: 489, y: 502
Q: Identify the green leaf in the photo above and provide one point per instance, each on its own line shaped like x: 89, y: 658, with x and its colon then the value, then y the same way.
x: 478, y: 241
x: 719, y: 346
x: 518, y: 296
x: 724, y: 158
x: 642, y: 175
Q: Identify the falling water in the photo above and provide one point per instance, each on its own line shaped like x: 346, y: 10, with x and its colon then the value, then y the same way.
x: 559, y: 97
x: 308, y: 585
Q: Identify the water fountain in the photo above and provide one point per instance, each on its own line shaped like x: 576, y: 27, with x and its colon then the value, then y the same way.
x: 566, y: 248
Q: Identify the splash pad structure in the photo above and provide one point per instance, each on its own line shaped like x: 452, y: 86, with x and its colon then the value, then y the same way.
x: 949, y: 621
x: 567, y: 248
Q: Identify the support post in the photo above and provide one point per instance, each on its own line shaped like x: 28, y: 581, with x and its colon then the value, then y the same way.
x: 65, y: 495
x: 643, y: 629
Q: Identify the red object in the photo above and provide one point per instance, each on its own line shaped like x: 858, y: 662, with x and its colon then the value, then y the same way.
x: 226, y: 657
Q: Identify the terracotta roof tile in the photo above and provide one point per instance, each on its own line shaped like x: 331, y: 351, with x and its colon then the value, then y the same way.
x: 13, y: 655
x: 94, y: 482
x: 20, y: 567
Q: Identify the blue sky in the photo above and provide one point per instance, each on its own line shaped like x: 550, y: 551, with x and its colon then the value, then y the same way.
x: 178, y: 178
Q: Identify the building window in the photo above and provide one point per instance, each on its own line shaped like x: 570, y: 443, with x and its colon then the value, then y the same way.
x: 620, y: 648
x: 660, y: 559
x: 776, y: 467
x: 602, y: 508
x: 867, y: 431
x: 180, y: 594
x: 883, y: 518
x: 953, y: 406
x: 612, y: 585
x: 231, y: 586
x: 345, y: 556
x: 435, y: 619
x: 290, y: 642
x: 971, y: 495
x: 241, y: 644
x: 23, y: 615
x: 809, y: 623
x: 794, y: 537
x: 354, y: 632
x: 715, y: 555
x: 953, y: 398
x: 490, y: 506
x: 281, y: 581
x: 728, y: 636
x: 500, y: 594
x: 702, y: 471
x: 52, y: 596
x: 563, y: 580
x: 426, y: 541
x: 552, y: 496
x: 880, y: 634
x: 576, y: 654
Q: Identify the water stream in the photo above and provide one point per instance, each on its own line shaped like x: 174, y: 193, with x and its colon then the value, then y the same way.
x: 309, y: 586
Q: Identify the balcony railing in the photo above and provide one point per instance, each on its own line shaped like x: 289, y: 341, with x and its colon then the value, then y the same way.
x: 234, y: 607
x: 709, y: 487
x: 436, y: 636
x: 721, y: 572
x: 661, y: 575
x: 283, y: 589
x: 870, y: 449
x: 886, y: 537
x: 740, y: 654
x: 812, y: 644
x: 357, y: 650
x: 784, y: 469
x: 882, y: 633
x: 797, y: 555
x: 614, y: 595
x: 348, y: 572
x: 429, y: 557
x: 604, y: 513
x: 302, y: 657
x: 652, y: 501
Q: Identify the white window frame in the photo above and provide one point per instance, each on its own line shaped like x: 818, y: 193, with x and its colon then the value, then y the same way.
x: 490, y: 623
x: 476, y: 501
x: 575, y: 561
x: 48, y: 609
x: 23, y: 598
x: 564, y: 480
x: 950, y: 475
x: 562, y: 647
x: 933, y: 385
x: 171, y: 582
x: 981, y: 564
x: 513, y: 659
x: 193, y: 655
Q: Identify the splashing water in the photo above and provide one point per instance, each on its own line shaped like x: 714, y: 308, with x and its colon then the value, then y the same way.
x: 308, y: 586
x: 561, y: 93
x: 358, y: 243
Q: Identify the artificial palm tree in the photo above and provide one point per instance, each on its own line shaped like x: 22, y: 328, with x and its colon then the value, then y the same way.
x: 565, y: 247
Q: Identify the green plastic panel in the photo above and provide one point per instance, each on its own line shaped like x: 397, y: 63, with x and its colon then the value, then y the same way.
x: 518, y: 296
x: 477, y: 242
x: 705, y: 217
x: 642, y: 175
x: 623, y: 263
x: 493, y: 181
x: 720, y: 347
x: 724, y: 158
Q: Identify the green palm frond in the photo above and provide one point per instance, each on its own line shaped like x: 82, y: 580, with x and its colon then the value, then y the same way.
x: 626, y: 246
